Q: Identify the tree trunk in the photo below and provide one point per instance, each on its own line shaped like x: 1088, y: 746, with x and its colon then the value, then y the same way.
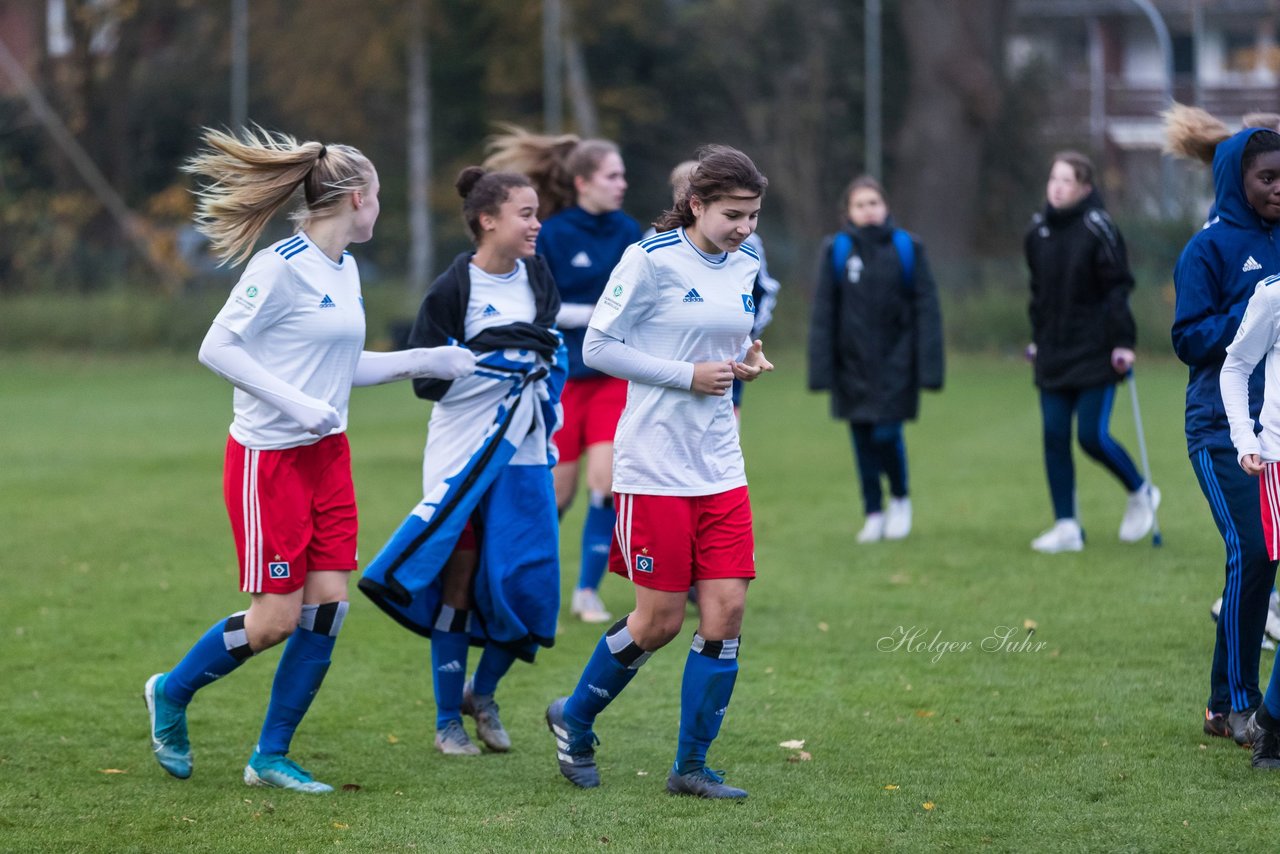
x: 421, y: 249
x: 955, y: 95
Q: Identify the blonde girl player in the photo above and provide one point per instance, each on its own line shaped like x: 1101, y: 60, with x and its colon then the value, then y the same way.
x: 675, y: 321
x: 290, y: 339
x: 581, y: 185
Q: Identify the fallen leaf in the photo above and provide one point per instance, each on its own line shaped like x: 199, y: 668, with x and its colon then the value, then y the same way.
x: 822, y: 627
x: 391, y: 739
x: 804, y: 756
x: 340, y: 826
x: 1186, y: 823
x: 794, y: 744
x: 925, y: 713
x: 928, y: 805
x: 112, y: 771
x: 188, y: 820
x: 1030, y: 625
x: 642, y: 773
x: 1204, y: 747
x: 891, y: 788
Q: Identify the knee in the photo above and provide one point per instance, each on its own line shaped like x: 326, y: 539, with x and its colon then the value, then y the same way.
x: 1091, y: 443
x: 266, y: 630
x: 655, y: 632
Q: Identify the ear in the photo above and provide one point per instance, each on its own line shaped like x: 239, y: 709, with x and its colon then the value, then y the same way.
x: 487, y: 222
x: 579, y: 184
x: 357, y: 199
x: 696, y: 207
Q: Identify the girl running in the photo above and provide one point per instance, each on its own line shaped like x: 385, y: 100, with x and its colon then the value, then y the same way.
x: 290, y: 339
x: 674, y: 321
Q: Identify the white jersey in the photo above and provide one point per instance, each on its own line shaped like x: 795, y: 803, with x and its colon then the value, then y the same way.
x: 669, y: 300
x: 1257, y: 338
x: 455, y: 425
x: 301, y: 317
x: 499, y: 300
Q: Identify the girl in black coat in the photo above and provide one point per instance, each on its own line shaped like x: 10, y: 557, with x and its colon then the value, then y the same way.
x: 875, y: 340
x: 1083, y: 337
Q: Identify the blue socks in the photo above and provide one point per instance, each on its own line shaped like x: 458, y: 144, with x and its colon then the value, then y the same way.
x: 221, y: 650
x: 709, y: 674
x: 450, y: 640
x: 612, y: 665
x: 597, y: 536
x: 299, y: 674
x: 495, y: 661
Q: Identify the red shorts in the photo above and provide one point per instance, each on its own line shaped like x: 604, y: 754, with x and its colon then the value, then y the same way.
x: 292, y: 511
x: 667, y: 542
x: 592, y: 407
x: 1269, y: 484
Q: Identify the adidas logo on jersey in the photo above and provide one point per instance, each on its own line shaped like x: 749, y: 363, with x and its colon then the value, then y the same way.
x: 599, y: 692
x: 693, y: 296
x: 582, y: 259
x: 327, y: 303
x: 451, y: 667
x: 490, y: 311
x: 1250, y: 265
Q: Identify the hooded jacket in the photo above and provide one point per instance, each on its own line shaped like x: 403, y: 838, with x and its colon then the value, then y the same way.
x: 1080, y: 285
x: 581, y: 250
x: 875, y: 340
x: 1213, y: 281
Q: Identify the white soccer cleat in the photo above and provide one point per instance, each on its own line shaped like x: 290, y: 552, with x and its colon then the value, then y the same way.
x: 1064, y: 536
x: 1139, y: 513
x: 872, y: 529
x: 589, y: 607
x: 897, y: 522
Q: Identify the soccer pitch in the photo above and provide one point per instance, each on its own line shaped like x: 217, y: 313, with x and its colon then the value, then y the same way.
x: 931, y: 718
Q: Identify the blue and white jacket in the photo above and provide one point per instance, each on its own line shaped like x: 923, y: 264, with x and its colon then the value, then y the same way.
x: 1215, y: 276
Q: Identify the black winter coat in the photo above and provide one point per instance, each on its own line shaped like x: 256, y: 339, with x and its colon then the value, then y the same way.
x: 874, y: 341
x: 1080, y: 285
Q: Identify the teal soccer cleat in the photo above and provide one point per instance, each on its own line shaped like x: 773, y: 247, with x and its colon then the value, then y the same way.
x: 168, y: 729
x: 281, y: 772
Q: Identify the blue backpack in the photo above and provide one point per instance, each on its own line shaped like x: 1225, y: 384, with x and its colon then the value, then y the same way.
x: 842, y: 248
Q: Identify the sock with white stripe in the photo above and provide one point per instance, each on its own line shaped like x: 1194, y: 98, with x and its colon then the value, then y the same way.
x: 709, y: 674
x: 300, y: 673
x: 494, y: 663
x: 223, y: 648
x: 597, y: 536
x: 611, y: 667
x: 450, y: 640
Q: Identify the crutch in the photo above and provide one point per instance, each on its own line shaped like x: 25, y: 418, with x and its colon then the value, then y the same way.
x: 1156, y: 539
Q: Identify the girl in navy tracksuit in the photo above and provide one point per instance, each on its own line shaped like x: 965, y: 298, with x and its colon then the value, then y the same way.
x: 581, y: 184
x: 1215, y: 277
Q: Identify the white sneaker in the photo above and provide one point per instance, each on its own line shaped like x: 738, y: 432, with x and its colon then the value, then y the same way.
x: 1140, y: 513
x: 1064, y: 536
x: 872, y: 529
x: 588, y: 607
x: 897, y: 522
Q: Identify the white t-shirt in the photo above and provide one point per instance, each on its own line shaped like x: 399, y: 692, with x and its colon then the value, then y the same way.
x: 1257, y: 338
x: 301, y: 317
x: 671, y: 301
x: 456, y: 421
x: 499, y: 300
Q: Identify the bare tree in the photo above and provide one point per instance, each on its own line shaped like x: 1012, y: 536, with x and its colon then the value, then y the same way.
x: 955, y: 97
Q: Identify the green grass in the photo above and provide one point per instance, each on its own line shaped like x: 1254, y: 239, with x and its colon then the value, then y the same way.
x: 116, y: 555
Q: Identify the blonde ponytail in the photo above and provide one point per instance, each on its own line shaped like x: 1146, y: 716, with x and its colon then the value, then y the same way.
x: 1192, y: 133
x: 550, y: 162
x: 251, y: 177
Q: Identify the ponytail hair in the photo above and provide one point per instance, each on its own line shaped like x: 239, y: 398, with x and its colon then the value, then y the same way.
x: 550, y: 162
x: 484, y: 192
x: 721, y: 171
x: 1192, y: 133
x: 251, y: 177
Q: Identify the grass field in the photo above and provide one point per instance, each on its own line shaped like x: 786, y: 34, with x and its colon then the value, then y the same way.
x: 116, y: 555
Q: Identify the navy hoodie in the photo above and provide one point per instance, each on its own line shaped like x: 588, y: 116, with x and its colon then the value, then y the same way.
x: 1214, y: 279
x: 582, y: 249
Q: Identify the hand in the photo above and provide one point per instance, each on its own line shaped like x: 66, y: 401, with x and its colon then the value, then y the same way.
x: 318, y: 421
x: 1030, y: 353
x: 753, y: 364
x: 446, y: 363
x: 1122, y: 359
x: 1252, y: 464
x: 713, y: 378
